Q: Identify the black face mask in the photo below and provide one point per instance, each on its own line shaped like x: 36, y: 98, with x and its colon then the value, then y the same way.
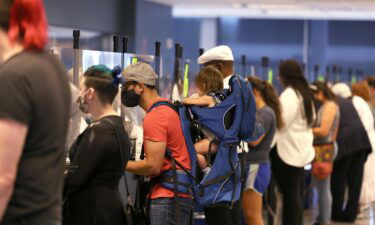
x: 130, y: 98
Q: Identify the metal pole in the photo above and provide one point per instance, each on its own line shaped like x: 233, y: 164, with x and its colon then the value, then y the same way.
x: 158, y: 64
x: 201, y: 51
x: 265, y: 64
x: 176, y: 72
x: 76, y: 56
x: 116, y: 47
x: 243, y: 65
x: 125, y: 42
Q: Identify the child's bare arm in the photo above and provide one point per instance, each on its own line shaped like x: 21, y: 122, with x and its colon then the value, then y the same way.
x: 201, y: 101
x: 203, y: 145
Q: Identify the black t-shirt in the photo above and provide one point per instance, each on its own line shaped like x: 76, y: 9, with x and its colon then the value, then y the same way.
x: 96, y: 154
x: 34, y: 91
x: 97, y: 162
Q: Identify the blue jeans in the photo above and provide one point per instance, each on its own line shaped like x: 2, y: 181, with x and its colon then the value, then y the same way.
x: 323, y: 188
x: 162, y: 211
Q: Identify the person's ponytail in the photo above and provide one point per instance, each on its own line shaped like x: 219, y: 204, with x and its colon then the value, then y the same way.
x: 269, y: 96
x: 27, y: 23
x: 272, y: 100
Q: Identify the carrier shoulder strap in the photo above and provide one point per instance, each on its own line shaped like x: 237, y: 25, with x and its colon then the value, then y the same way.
x: 167, y: 103
x: 168, y: 153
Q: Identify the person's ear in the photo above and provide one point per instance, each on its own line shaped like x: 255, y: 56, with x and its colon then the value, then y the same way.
x: 90, y: 93
x: 138, y: 88
x: 219, y: 66
x: 256, y: 93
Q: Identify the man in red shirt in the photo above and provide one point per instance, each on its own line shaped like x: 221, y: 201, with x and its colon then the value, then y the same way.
x: 162, y: 131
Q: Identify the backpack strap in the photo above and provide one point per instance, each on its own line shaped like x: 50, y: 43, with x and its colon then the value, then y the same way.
x: 167, y: 103
x: 168, y: 155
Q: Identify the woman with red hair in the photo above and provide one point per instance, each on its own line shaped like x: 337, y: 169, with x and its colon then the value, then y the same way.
x: 34, y: 113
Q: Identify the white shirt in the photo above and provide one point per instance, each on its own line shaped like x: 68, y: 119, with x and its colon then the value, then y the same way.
x: 366, y: 117
x: 295, y: 140
x: 226, y: 81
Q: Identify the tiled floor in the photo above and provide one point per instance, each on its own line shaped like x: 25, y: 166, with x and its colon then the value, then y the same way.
x: 366, y: 217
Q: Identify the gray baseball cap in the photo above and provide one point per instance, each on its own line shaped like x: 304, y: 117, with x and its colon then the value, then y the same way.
x: 140, y: 72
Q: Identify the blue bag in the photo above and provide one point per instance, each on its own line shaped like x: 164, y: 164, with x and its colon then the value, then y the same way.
x: 232, y: 121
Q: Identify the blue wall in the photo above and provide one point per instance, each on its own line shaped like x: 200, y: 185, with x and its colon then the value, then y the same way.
x: 352, y: 44
x: 187, y: 33
x: 346, y: 44
x: 153, y: 23
x: 277, y: 39
x: 112, y: 16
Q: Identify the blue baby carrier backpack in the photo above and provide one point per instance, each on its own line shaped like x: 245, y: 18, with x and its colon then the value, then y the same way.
x: 227, y: 124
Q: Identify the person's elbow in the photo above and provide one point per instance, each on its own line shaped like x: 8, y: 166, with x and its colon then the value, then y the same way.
x: 253, y: 143
x: 154, y: 170
x: 6, y: 185
x: 324, y: 133
x: 257, y: 141
x: 321, y: 133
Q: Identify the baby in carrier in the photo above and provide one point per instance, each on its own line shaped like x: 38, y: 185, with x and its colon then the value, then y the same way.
x: 209, y: 83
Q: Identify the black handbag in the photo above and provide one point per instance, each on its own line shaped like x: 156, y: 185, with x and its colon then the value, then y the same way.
x: 134, y: 216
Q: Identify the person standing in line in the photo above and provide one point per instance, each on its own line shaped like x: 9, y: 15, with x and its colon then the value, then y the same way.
x: 361, y: 89
x: 355, y: 144
x: 97, y: 160
x: 161, y: 132
x: 295, y: 141
x: 221, y: 58
x: 209, y: 82
x: 371, y: 84
x: 34, y: 114
x: 325, y: 133
x: 258, y: 163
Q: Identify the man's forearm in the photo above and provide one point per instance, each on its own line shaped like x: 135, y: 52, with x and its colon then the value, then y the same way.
x: 143, y: 168
x: 6, y: 190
